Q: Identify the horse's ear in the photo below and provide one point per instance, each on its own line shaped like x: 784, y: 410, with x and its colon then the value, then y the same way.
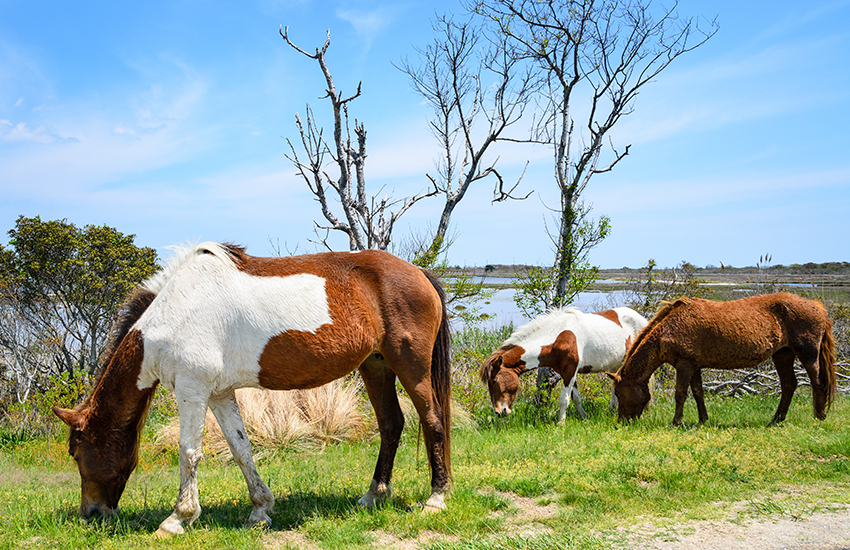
x: 75, y: 419
x: 614, y: 377
x: 497, y: 362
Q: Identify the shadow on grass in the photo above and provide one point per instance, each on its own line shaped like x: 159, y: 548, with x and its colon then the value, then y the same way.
x: 291, y: 511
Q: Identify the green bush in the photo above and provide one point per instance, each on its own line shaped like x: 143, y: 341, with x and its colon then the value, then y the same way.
x: 35, y: 415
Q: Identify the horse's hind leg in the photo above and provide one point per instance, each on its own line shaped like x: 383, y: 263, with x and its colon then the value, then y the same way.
x: 783, y: 361
x: 820, y: 393
x: 380, y: 385
x: 226, y: 411
x: 430, y: 415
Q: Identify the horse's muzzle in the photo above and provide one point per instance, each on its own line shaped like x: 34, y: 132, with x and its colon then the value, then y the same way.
x: 504, y: 410
x: 97, y: 511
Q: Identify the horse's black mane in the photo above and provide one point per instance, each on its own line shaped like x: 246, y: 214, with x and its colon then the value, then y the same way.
x: 128, y: 313
x: 237, y: 253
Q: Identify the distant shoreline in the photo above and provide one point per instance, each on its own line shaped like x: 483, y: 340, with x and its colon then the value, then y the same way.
x: 833, y: 275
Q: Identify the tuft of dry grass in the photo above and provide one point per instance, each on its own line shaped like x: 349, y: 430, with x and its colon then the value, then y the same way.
x: 276, y: 420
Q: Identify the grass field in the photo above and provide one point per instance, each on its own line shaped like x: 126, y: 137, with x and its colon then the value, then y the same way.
x: 520, y: 482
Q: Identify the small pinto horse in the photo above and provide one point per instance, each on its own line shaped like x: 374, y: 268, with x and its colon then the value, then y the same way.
x: 567, y: 341
x: 693, y: 334
x: 216, y: 319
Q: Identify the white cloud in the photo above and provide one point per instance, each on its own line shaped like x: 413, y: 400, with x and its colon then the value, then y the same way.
x: 368, y: 24
x: 10, y: 132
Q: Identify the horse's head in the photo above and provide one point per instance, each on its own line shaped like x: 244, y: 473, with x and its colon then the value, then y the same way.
x: 104, y: 464
x: 500, y: 372
x: 632, y: 396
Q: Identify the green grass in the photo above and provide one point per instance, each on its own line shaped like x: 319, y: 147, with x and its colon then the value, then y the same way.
x: 592, y: 475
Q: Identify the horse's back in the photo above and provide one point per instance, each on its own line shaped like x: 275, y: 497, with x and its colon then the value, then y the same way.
x: 281, y: 323
x: 603, y: 342
x: 742, y: 332
x: 631, y: 321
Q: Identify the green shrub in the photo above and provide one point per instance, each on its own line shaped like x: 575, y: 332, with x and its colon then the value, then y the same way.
x: 35, y: 415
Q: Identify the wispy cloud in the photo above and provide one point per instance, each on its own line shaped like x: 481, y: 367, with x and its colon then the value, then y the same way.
x: 369, y: 23
x: 711, y: 191
x: 21, y: 133
x: 734, y: 88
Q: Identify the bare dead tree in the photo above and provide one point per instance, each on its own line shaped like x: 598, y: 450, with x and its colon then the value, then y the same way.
x: 594, y: 58
x: 478, y: 88
x: 367, y: 220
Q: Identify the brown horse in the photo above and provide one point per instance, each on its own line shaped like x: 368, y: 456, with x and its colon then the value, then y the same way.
x: 217, y: 319
x: 692, y: 334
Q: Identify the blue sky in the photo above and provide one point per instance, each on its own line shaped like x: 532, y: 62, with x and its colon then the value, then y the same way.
x: 167, y: 120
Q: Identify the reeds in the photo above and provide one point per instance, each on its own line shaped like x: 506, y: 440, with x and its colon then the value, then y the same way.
x: 285, y: 420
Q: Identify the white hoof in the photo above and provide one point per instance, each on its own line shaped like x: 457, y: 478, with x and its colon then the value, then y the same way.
x: 170, y: 527
x: 435, y: 503
x: 377, y: 494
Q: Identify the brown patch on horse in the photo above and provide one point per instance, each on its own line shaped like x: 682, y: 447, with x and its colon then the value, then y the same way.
x: 609, y: 314
x: 586, y: 369
x: 508, y: 356
x: 562, y: 355
x: 106, y: 429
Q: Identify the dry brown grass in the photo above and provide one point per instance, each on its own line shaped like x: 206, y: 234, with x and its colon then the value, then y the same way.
x: 277, y: 420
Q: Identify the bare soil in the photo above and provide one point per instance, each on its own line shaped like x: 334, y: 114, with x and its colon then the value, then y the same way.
x: 816, y: 531
x: 820, y: 530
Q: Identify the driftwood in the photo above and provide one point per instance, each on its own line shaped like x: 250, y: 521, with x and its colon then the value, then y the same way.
x: 763, y: 380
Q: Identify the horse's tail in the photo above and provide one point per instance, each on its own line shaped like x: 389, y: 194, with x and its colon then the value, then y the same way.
x: 441, y: 370
x: 826, y: 371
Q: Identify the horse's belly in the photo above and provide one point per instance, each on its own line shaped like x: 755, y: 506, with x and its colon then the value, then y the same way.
x: 742, y: 348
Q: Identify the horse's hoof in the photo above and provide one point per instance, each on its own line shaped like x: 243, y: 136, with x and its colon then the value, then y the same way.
x: 432, y: 509
x: 435, y: 503
x: 377, y: 494
x: 260, y: 521
x: 170, y: 527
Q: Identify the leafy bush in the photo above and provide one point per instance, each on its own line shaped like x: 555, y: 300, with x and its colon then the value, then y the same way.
x: 471, y: 345
x: 35, y: 415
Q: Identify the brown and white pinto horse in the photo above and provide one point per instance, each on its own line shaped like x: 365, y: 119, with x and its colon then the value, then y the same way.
x: 217, y: 319
x: 567, y: 341
x: 693, y: 334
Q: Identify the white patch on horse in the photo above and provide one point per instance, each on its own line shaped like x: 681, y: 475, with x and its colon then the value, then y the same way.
x: 531, y: 359
x: 210, y: 322
x: 600, y: 343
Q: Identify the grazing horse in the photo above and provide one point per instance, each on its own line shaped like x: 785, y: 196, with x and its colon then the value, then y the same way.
x: 216, y: 319
x: 693, y: 334
x: 567, y: 341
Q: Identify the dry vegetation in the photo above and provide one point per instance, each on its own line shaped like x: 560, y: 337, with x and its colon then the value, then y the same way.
x: 286, y: 419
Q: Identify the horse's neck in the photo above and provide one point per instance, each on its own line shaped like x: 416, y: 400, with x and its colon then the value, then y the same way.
x: 644, y: 358
x: 116, y: 404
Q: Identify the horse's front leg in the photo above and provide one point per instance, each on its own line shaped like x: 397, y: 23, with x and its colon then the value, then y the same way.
x: 192, y: 410
x: 226, y: 411
x: 699, y: 395
x: 570, y: 392
x: 614, y: 402
x: 684, y: 373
